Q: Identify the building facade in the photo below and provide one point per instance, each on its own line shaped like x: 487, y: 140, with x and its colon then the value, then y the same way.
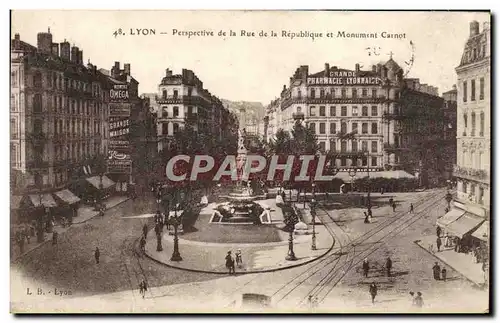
x: 58, y: 115
x: 182, y: 100
x: 450, y: 129
x: 472, y: 171
x: 392, y: 120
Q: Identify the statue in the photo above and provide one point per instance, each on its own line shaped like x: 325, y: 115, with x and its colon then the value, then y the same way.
x: 242, y: 156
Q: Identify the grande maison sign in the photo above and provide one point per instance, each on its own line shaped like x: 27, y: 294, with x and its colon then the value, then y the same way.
x: 343, y: 78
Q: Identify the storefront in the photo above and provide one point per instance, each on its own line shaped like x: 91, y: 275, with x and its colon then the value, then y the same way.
x: 44, y: 207
x: 69, y: 204
x: 458, y: 225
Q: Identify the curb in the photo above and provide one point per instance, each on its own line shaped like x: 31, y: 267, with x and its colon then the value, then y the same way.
x: 452, y: 267
x: 246, y: 272
x: 48, y: 240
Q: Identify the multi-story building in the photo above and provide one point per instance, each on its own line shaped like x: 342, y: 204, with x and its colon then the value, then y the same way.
x: 377, y: 112
x: 58, y: 118
x: 183, y: 100
x: 471, y: 208
x: 450, y: 130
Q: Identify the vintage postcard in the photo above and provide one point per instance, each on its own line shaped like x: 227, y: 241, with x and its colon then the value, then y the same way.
x: 250, y: 161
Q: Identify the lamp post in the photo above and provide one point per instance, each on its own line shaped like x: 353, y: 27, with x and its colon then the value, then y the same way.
x: 352, y: 173
x: 290, y: 221
x: 448, y: 197
x: 313, y: 213
x: 176, y: 256
x: 369, y: 204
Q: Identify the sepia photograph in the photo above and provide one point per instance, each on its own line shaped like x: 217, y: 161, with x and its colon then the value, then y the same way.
x: 294, y: 162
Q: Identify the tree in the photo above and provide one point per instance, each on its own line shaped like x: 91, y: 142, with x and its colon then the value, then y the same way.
x: 282, y: 142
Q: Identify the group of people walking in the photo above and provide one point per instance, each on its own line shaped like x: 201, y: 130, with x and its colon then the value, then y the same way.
x: 387, y: 267
x: 230, y: 261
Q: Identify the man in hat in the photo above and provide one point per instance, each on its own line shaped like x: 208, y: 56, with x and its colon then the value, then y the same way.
x: 230, y: 262
x: 366, y: 267
x: 436, y: 270
x: 97, y: 254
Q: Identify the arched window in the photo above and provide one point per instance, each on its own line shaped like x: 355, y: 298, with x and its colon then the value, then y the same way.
x: 37, y: 103
x: 312, y: 127
x: 176, y: 111
x: 299, y: 109
x: 164, y: 94
x: 164, y: 129
x: 176, y: 128
x: 176, y: 94
x: 299, y: 94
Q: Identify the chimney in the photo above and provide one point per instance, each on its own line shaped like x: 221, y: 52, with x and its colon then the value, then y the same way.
x: 126, y: 68
x: 44, y: 42
x: 74, y: 54
x: 284, y: 87
x: 17, y: 37
x: 474, y: 28
x: 17, y: 41
x: 327, y: 69
x: 454, y: 87
x: 357, y: 68
x: 80, y: 57
x: 374, y: 68
x: 65, y: 50
x: 168, y: 72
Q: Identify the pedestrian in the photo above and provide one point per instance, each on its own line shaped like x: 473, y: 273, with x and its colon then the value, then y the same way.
x: 388, y: 266
x: 141, y: 289
x: 310, y: 301
x: 370, y: 214
x: 438, y: 231
x: 412, y: 295
x: 366, y: 267
x: 443, y: 274
x: 438, y: 243
x: 411, y: 208
x: 239, y: 261
x: 54, y: 237
x: 21, y: 242
x: 419, y: 301
x: 393, y: 207
x: 143, y: 244
x: 436, y: 270
x: 144, y: 288
x: 373, y: 291
x: 391, y: 201
x: 283, y: 195
x: 145, y: 231
x: 230, y: 262
x: 97, y: 254
x: 28, y: 235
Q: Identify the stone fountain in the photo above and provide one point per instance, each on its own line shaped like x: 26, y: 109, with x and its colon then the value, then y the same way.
x: 240, y: 207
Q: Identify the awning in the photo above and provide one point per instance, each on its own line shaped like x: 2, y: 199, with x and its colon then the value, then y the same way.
x: 67, y: 196
x: 96, y: 180
x: 15, y: 202
x: 394, y: 174
x: 464, y: 224
x: 47, y: 200
x: 483, y: 231
x: 450, y: 217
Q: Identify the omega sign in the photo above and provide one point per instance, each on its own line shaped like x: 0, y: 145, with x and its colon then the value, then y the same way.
x: 119, y: 92
x: 343, y: 78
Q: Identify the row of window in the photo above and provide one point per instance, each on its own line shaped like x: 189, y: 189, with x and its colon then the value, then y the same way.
x: 164, y: 129
x: 473, y: 124
x: 473, y: 90
x: 475, y: 160
x: 175, y: 93
x: 474, y: 195
x: 348, y: 162
x: 343, y: 111
x: 56, y: 81
x: 85, y: 127
x: 354, y: 146
x: 332, y: 92
x: 343, y: 127
x: 63, y: 104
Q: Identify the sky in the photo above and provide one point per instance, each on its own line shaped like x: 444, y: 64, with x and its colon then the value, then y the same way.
x: 242, y: 68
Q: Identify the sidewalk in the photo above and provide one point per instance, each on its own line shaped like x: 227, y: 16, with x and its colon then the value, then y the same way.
x: 265, y: 257
x: 460, y: 262
x: 84, y: 213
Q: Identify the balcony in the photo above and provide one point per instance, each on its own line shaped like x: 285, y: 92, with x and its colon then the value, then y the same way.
x: 394, y: 115
x: 479, y: 175
x: 392, y: 147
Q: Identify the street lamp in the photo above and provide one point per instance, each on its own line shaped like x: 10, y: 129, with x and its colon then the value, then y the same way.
x: 290, y: 220
x: 369, y: 204
x: 176, y: 256
x: 313, y: 213
x: 448, y: 197
x: 352, y: 173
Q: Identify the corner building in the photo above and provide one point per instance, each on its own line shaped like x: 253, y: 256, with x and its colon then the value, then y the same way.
x: 393, y: 120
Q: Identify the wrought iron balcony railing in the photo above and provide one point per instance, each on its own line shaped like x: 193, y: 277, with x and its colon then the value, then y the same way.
x: 471, y: 173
